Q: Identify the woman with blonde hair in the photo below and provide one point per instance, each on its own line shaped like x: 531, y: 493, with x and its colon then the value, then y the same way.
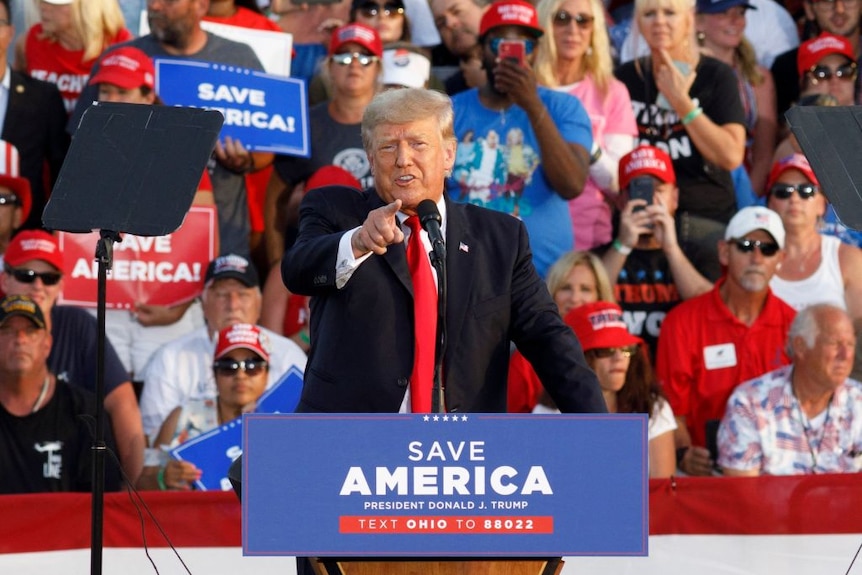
x: 574, y: 57
x: 720, y: 32
x: 688, y: 105
x: 575, y: 279
x: 63, y: 46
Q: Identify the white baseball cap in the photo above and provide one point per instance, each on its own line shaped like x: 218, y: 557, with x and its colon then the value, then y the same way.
x: 753, y: 218
x: 402, y: 67
x: 59, y: 2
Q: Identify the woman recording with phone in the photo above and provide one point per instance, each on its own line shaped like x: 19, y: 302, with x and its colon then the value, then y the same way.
x: 688, y: 104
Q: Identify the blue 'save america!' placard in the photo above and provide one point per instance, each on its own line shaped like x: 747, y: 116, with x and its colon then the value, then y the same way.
x: 267, y: 113
x: 468, y: 485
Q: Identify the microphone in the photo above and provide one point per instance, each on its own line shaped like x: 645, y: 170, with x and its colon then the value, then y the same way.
x: 429, y: 217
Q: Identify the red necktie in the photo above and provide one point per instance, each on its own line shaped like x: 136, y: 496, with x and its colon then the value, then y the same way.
x: 425, y: 317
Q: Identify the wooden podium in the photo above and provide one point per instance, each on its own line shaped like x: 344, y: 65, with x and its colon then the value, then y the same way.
x: 531, y: 566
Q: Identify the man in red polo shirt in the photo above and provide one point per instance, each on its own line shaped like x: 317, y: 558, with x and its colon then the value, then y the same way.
x: 735, y: 332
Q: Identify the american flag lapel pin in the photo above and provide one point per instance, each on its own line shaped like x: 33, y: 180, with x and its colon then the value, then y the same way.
x: 463, y: 247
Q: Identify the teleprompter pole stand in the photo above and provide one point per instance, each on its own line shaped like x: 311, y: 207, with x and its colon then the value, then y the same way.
x: 105, y: 259
x: 136, y: 169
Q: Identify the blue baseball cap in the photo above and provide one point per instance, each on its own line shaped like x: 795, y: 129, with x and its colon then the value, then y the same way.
x: 719, y: 6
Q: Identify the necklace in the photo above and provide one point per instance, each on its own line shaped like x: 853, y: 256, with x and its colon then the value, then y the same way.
x: 42, y: 394
x: 809, y: 432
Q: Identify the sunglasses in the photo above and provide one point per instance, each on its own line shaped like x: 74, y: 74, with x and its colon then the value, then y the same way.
x: 370, y: 9
x: 231, y: 366
x: 26, y: 276
x: 9, y: 200
x: 346, y: 59
x: 494, y: 43
x: 768, y: 249
x: 605, y: 352
x: 563, y: 19
x: 784, y: 191
x: 825, y: 73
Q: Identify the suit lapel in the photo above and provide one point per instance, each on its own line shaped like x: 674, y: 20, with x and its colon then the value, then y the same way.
x: 459, y: 269
x: 396, y: 256
x: 17, y: 97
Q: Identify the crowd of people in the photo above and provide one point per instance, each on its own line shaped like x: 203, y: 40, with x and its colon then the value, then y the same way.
x: 651, y: 238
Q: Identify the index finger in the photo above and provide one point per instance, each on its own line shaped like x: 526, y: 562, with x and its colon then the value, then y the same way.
x: 392, y: 208
x: 665, y: 57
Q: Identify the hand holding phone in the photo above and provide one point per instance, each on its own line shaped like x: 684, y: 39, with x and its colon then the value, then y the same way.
x: 513, y: 50
x: 642, y: 188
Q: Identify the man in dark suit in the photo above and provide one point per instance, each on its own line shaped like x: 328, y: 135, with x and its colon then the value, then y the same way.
x: 349, y: 256
x: 34, y: 121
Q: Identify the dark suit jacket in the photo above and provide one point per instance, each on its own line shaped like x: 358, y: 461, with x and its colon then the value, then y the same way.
x: 362, y: 335
x: 35, y: 123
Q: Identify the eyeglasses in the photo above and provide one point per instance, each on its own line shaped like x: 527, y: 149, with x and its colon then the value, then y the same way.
x: 768, y: 249
x: 825, y: 73
x: 26, y: 276
x: 784, y: 191
x: 829, y: 5
x: 494, y: 43
x: 9, y: 199
x: 346, y: 59
x: 605, y: 352
x: 388, y: 10
x: 231, y: 366
x: 563, y: 19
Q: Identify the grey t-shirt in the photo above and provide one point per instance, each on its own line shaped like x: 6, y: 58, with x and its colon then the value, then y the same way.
x: 228, y: 187
x: 331, y: 143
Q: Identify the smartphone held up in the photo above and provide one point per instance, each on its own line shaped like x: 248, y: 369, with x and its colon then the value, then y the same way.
x: 514, y: 51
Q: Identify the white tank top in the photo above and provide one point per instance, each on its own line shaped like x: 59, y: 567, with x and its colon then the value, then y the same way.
x: 825, y: 285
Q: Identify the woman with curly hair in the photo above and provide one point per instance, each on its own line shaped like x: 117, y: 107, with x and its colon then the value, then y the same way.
x: 626, y: 377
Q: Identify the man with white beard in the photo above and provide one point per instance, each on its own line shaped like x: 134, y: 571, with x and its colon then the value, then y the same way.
x: 735, y: 332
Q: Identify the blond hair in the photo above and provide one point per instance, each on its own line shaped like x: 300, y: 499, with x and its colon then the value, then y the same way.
x: 597, y: 61
x: 558, y: 274
x: 406, y: 105
x: 685, y: 7
x: 96, y: 23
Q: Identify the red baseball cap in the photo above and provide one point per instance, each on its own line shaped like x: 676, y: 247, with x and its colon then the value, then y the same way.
x: 126, y: 67
x: 600, y: 325
x: 814, y: 50
x: 791, y: 162
x: 242, y: 336
x: 10, y: 177
x: 29, y: 245
x: 361, y: 34
x: 646, y: 160
x: 510, y: 13
x: 332, y: 176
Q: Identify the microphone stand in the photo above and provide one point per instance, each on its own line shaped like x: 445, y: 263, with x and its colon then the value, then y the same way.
x: 438, y: 260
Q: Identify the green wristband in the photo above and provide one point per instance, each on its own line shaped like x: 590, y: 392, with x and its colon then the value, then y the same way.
x: 689, y: 118
x: 161, y: 479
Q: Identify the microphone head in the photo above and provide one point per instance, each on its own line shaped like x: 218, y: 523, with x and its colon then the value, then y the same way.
x: 427, y: 211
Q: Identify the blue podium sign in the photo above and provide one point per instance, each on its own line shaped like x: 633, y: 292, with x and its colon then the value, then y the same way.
x: 448, y: 485
x: 267, y: 113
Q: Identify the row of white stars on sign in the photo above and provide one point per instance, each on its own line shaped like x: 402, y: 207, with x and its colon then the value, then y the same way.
x: 453, y: 418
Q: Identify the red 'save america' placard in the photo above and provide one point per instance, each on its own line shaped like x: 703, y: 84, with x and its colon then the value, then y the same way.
x: 157, y: 270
